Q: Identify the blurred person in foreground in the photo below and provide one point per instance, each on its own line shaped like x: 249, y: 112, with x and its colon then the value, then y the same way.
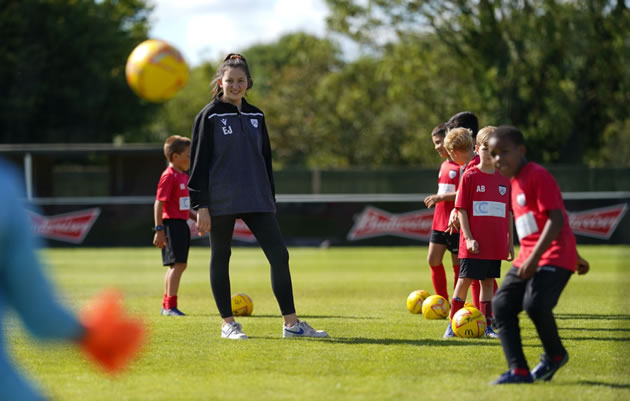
x: 101, y: 330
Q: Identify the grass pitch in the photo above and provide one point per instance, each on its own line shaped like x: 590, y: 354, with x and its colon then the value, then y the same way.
x: 377, y: 350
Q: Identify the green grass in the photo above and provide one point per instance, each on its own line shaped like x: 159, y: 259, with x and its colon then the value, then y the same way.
x: 377, y: 350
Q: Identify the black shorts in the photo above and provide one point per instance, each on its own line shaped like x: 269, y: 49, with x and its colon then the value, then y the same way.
x: 177, y: 235
x: 450, y: 240
x: 479, y: 269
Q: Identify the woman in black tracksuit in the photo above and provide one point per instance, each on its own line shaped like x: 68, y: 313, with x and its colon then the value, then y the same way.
x: 231, y: 177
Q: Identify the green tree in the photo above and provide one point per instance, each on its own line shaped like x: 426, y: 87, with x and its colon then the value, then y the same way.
x: 62, y: 73
x: 287, y: 74
x: 176, y: 116
x: 557, y: 69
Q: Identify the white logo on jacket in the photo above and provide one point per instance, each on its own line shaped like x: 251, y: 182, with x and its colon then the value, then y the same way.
x: 227, y: 130
x: 502, y: 190
x: 520, y: 199
x: 452, y: 174
x: 224, y: 121
x: 254, y: 122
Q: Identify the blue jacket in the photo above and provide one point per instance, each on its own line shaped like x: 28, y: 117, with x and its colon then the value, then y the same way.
x: 230, y: 166
x: 24, y: 288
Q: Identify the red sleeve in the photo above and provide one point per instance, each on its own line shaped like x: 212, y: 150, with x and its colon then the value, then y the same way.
x: 165, y: 187
x: 548, y: 195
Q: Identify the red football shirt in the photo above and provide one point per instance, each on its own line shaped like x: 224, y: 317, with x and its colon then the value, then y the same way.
x: 173, y: 191
x: 474, y: 162
x: 448, y: 181
x: 535, y: 193
x: 486, y: 199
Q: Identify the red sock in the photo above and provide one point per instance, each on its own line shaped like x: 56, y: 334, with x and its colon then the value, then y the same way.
x: 557, y: 358
x: 456, y: 304
x: 521, y: 371
x: 486, y: 310
x: 171, y: 302
x: 456, y: 273
x: 475, y: 289
x: 496, y: 287
x: 164, y: 301
x: 438, y: 276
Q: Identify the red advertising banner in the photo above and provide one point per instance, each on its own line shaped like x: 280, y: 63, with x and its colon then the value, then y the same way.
x: 597, y: 223
x: 68, y: 227
x: 333, y: 220
x: 373, y: 222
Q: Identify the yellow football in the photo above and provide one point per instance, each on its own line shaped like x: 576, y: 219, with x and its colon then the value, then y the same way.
x: 242, y: 305
x: 415, y: 300
x: 435, y: 307
x: 468, y: 322
x: 156, y: 71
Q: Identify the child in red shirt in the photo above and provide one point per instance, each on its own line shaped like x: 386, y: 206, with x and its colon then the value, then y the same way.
x: 483, y: 207
x: 459, y: 144
x: 171, y: 210
x: 443, y: 200
x: 546, y: 260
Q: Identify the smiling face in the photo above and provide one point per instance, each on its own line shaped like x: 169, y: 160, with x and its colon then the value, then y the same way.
x: 234, y: 85
x: 438, y: 144
x: 508, y: 157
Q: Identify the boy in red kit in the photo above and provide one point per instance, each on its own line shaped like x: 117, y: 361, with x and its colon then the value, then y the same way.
x: 171, y: 211
x: 546, y: 260
x: 465, y: 156
x: 483, y: 208
x: 443, y: 200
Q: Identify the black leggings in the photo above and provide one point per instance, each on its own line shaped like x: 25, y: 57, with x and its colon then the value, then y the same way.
x: 537, y: 296
x: 265, y: 228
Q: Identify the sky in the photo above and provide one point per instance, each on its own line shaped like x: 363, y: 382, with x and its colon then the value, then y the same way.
x: 208, y: 29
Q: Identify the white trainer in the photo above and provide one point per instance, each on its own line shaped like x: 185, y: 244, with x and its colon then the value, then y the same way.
x: 302, y: 329
x: 233, y: 331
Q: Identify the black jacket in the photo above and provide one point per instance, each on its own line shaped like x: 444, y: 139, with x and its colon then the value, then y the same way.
x: 230, y: 166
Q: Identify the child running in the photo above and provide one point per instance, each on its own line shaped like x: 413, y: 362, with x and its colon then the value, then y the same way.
x: 171, y: 210
x: 483, y: 207
x: 546, y: 260
x: 443, y: 200
x: 231, y: 177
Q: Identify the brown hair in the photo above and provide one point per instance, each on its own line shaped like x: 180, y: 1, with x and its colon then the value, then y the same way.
x: 439, y: 130
x: 232, y: 60
x: 175, y: 144
x: 483, y: 136
x: 458, y: 139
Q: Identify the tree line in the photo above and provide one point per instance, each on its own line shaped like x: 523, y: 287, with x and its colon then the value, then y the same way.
x: 559, y: 70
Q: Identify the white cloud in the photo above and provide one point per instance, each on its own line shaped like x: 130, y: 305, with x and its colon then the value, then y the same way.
x: 206, y: 29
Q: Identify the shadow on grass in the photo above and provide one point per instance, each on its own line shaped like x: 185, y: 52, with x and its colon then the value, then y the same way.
x: 590, y: 316
x: 421, y: 342
x: 611, y: 339
x: 595, y: 329
x: 315, y: 317
x: 603, y: 384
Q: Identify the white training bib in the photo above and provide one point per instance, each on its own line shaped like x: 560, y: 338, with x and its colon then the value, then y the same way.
x: 184, y: 203
x: 444, y: 188
x: 526, y: 225
x: 488, y: 208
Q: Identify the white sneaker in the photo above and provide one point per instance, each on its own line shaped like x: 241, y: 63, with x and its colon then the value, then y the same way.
x: 233, y: 331
x: 302, y: 329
